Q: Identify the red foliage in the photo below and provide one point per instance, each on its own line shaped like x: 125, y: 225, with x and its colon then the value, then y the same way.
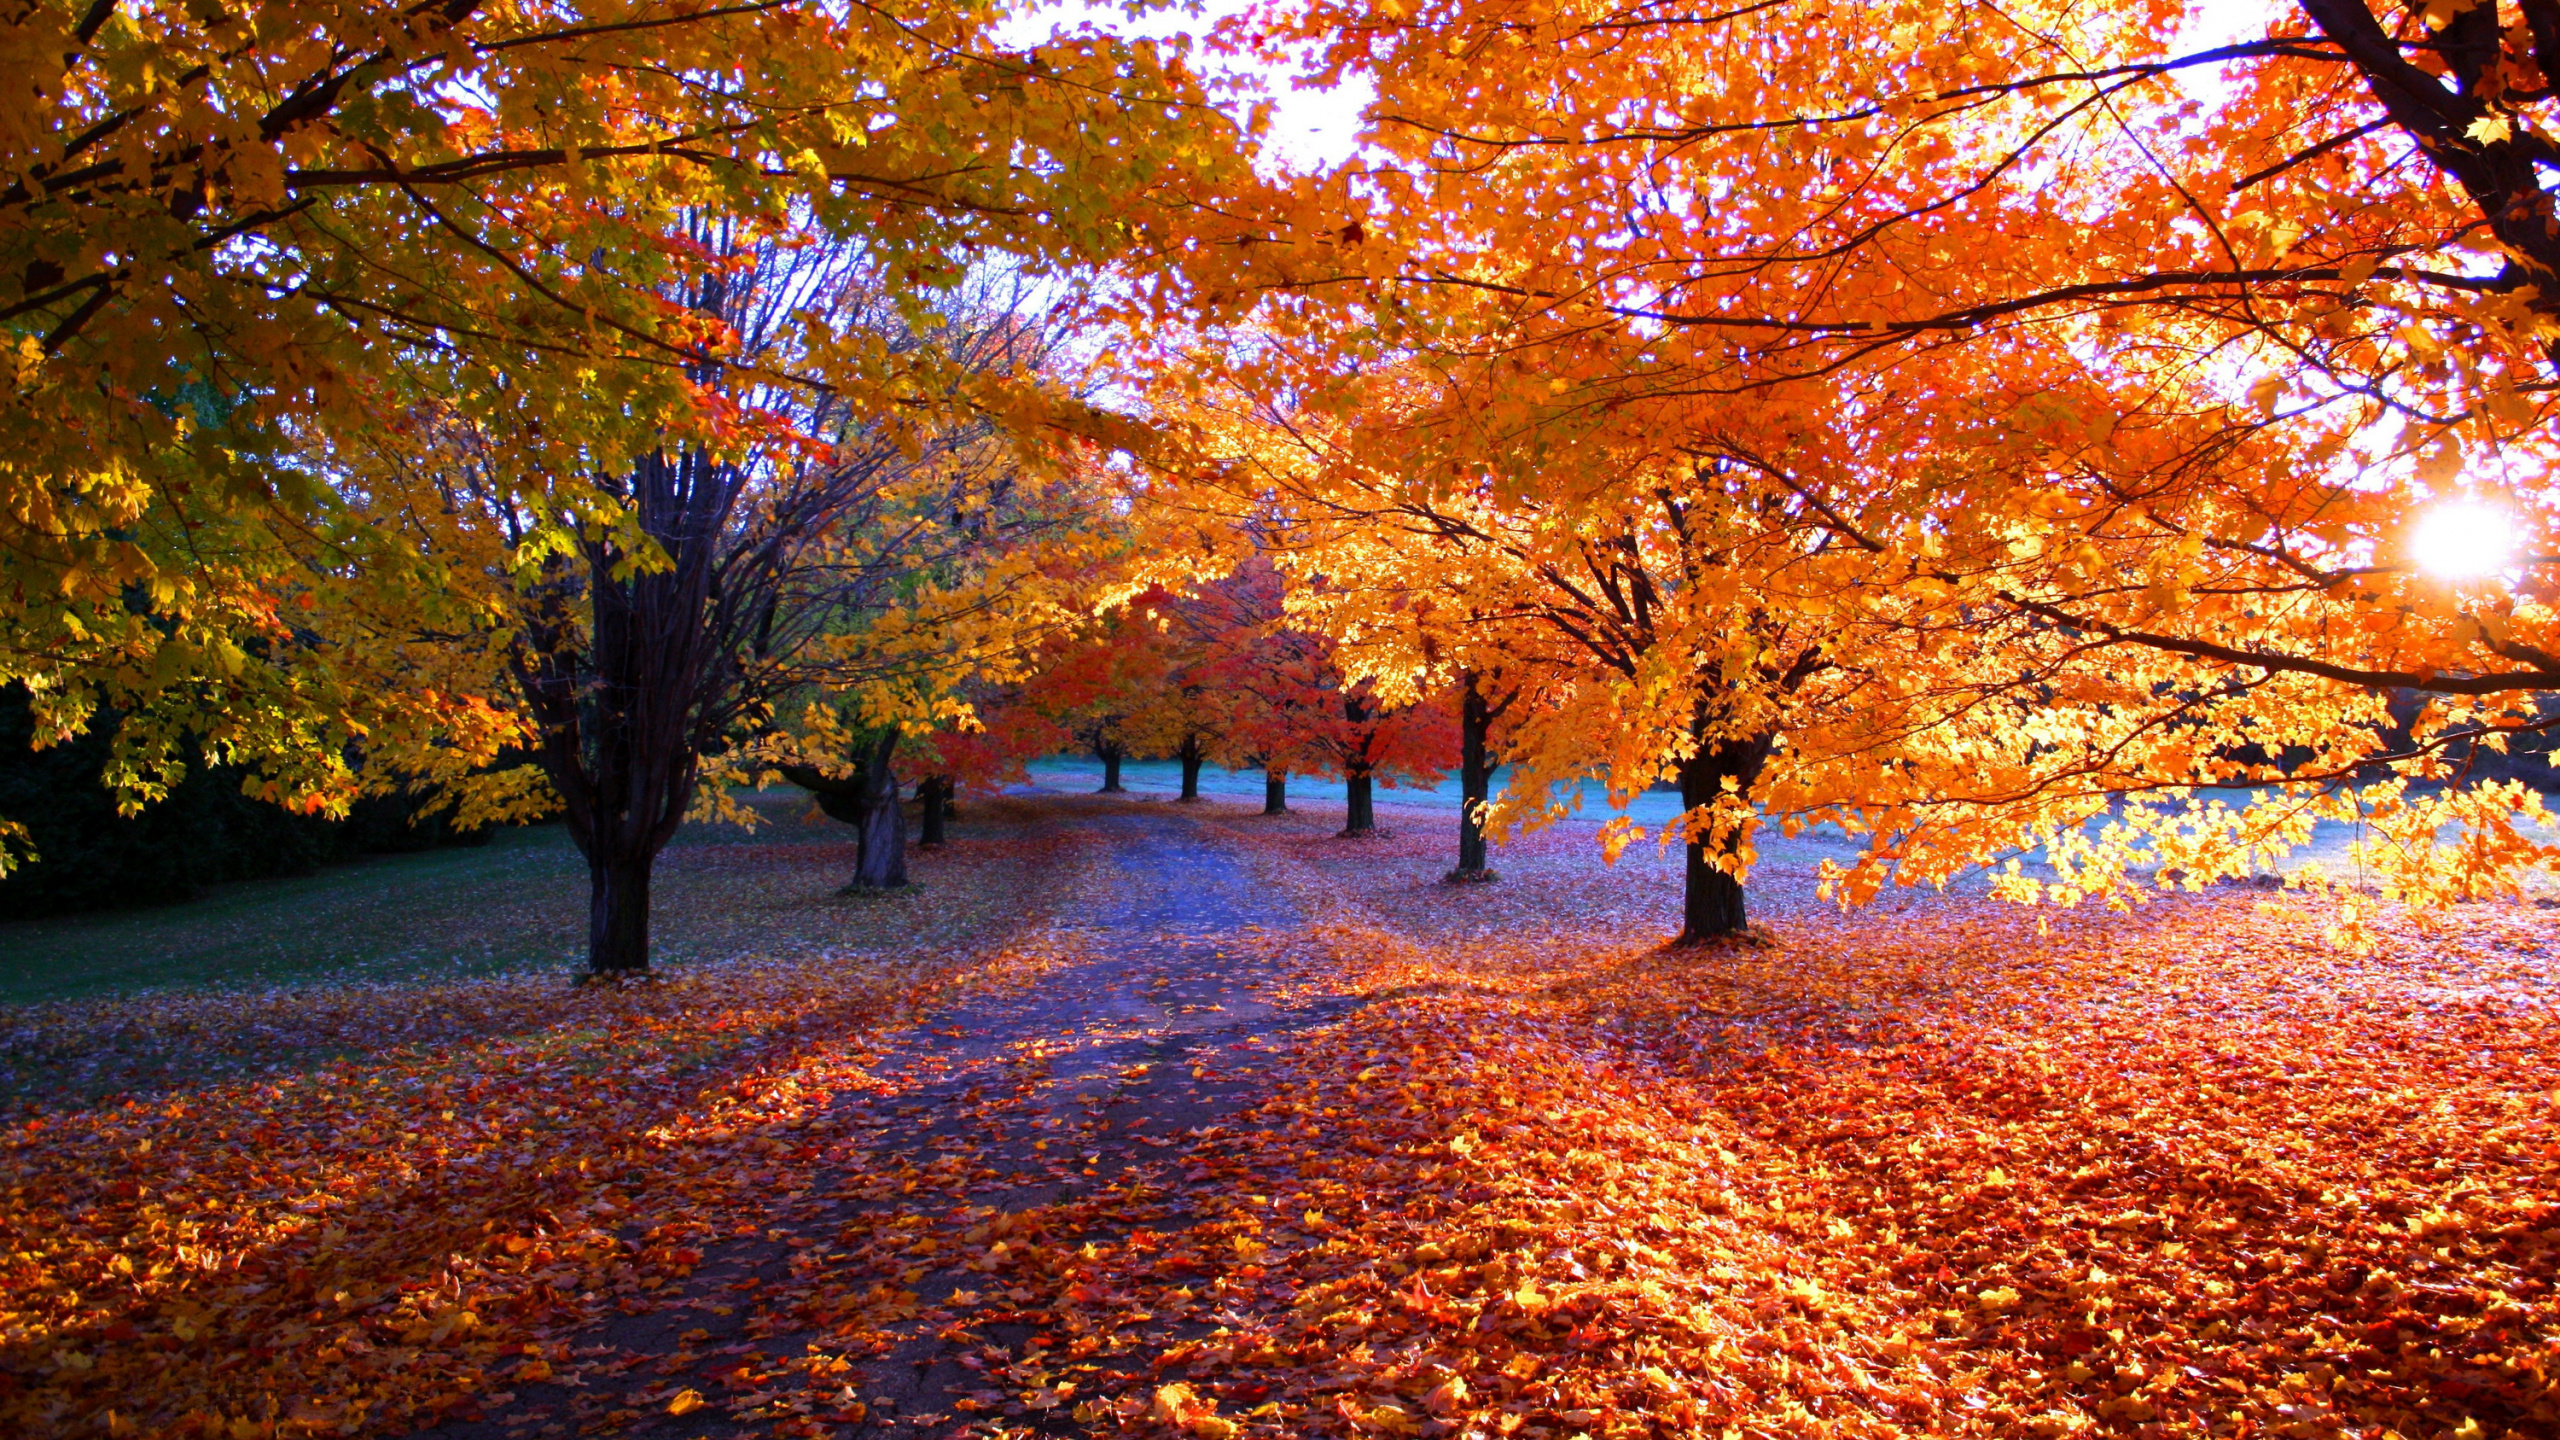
x: 1289, y: 707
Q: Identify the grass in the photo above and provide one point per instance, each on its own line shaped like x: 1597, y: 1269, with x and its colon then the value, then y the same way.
x: 408, y: 957
x: 519, y: 904
x: 515, y: 905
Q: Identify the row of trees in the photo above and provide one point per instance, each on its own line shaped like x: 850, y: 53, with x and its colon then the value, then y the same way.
x: 1980, y: 431
x: 570, y: 407
x: 1974, y: 431
x: 1219, y: 674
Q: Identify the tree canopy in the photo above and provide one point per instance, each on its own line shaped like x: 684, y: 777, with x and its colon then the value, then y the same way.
x: 221, y: 232
x: 1988, y: 430
x: 2062, y: 398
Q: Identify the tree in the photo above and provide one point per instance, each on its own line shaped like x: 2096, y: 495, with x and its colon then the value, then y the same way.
x: 1099, y: 683
x: 1937, y: 186
x: 1651, y: 645
x: 2140, y: 410
x: 221, y: 230
x: 1377, y: 740
x: 1185, y: 716
x: 1256, y: 672
x: 1335, y: 723
x: 867, y: 800
x: 650, y: 646
x: 993, y: 745
x: 1483, y: 700
x: 1284, y: 705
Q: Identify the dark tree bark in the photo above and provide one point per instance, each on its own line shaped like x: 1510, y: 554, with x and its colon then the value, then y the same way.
x: 1111, y: 754
x: 1275, y: 791
x: 1476, y: 714
x: 624, y: 716
x: 1359, y: 818
x: 2503, y: 177
x: 618, y: 913
x: 867, y: 800
x: 935, y: 792
x: 1191, y: 757
x: 1711, y: 904
x: 880, y: 861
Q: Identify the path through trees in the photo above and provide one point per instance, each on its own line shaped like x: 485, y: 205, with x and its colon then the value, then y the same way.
x: 1232, y: 1129
x: 1070, y: 1109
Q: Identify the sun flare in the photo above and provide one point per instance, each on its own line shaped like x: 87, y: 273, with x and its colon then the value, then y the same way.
x: 2464, y: 539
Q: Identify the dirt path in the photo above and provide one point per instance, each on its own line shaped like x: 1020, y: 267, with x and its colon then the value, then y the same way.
x: 1062, y: 1113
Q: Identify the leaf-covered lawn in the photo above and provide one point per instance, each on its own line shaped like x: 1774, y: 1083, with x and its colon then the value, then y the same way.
x: 1958, y: 1168
x: 1942, y: 1167
x: 392, y: 1187
x: 517, y: 903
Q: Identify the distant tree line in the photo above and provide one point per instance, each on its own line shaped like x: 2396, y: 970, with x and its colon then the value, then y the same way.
x: 206, y: 832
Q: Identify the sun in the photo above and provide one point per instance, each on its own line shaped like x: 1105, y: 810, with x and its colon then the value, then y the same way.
x: 2464, y: 540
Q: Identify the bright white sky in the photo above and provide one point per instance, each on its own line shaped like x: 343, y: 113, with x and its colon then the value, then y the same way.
x: 2218, y: 22
x: 2221, y: 22
x: 1310, y: 129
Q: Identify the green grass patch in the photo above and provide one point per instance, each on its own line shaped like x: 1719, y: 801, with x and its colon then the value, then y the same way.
x: 516, y: 904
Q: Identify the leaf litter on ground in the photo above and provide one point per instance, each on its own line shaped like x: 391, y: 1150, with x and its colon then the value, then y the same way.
x: 1941, y: 1166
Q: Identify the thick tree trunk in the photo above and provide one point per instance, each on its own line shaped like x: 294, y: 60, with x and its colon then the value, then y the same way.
x: 1475, y: 782
x: 618, y: 911
x: 935, y: 791
x: 1191, y: 758
x: 1711, y: 905
x: 1275, y: 792
x: 625, y: 672
x: 881, y: 862
x: 618, y: 707
x: 867, y: 800
x: 1711, y: 902
x: 880, y: 832
x: 618, y: 747
x: 1360, y: 816
x: 1110, y: 755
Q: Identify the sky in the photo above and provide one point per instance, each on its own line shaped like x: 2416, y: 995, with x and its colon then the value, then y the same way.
x: 1314, y: 129
x: 1310, y: 129
x: 2216, y: 22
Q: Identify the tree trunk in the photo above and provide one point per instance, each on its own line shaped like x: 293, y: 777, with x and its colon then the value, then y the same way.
x: 935, y: 791
x: 1711, y: 904
x: 1275, y: 792
x: 618, y: 911
x: 880, y: 832
x: 1360, y: 817
x: 1475, y: 781
x: 618, y: 745
x: 867, y: 800
x: 1111, y: 755
x: 1191, y: 758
